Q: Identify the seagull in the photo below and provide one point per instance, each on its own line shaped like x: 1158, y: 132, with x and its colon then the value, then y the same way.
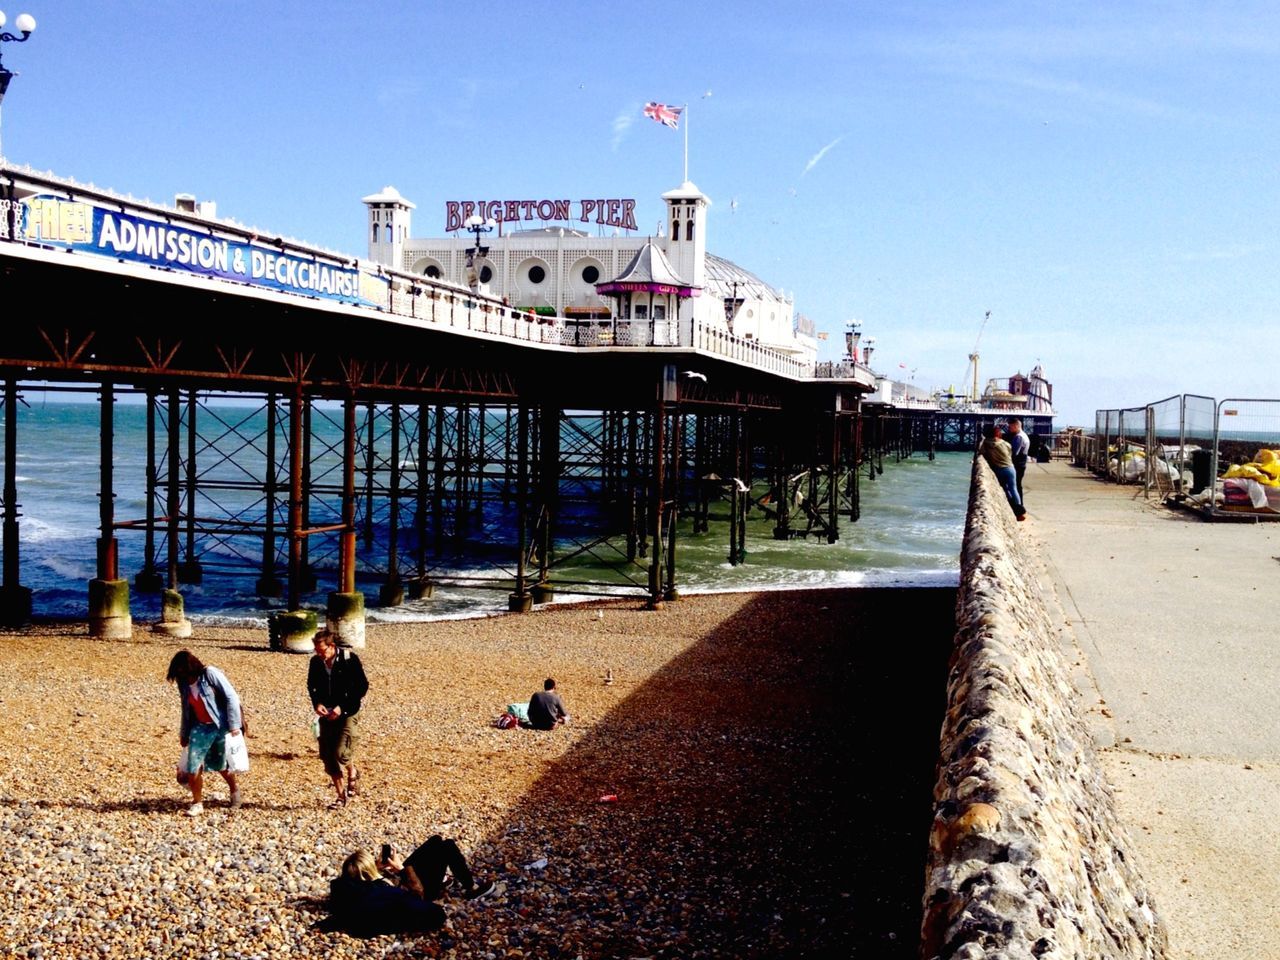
x: 741, y: 487
x: 691, y: 374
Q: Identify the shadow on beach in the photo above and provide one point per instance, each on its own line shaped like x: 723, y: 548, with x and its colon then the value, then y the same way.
x: 786, y: 811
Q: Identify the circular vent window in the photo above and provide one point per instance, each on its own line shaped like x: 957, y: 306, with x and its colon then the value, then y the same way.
x: 537, y: 275
x: 486, y: 274
x: 590, y: 274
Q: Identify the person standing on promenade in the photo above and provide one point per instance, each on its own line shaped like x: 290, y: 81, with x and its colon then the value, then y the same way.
x: 546, y: 709
x: 1020, y: 444
x: 337, y: 684
x: 210, y: 713
x: 1000, y: 458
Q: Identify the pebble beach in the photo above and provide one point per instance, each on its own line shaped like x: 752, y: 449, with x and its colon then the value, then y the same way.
x: 766, y: 804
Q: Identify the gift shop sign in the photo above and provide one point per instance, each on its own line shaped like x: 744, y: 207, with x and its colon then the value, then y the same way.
x: 609, y: 213
x: 88, y: 228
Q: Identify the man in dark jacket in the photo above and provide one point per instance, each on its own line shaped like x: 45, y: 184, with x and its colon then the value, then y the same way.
x: 337, y: 684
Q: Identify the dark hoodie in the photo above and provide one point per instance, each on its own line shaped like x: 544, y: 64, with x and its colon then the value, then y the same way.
x: 368, y: 908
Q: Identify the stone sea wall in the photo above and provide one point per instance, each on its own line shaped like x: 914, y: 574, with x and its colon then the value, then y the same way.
x: 1027, y: 857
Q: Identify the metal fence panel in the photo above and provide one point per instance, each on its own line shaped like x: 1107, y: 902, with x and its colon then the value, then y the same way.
x: 1243, y: 428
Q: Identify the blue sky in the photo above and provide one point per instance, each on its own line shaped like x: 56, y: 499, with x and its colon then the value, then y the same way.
x: 1102, y: 178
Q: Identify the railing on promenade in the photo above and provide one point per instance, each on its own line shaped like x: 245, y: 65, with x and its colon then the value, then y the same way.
x: 1190, y: 447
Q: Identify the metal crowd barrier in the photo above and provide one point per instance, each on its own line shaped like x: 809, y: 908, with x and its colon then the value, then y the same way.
x: 1183, y: 446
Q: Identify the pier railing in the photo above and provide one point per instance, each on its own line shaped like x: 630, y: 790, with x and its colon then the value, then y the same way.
x: 1184, y: 446
x: 55, y: 213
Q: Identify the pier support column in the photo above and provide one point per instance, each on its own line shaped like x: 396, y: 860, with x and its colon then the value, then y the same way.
x: 15, y: 599
x: 549, y: 475
x: 520, y: 600
x: 392, y: 592
x: 173, y: 621
x: 833, y: 474
x: 781, y: 486
x: 421, y: 588
x: 148, y: 579
x: 294, y: 630
x: 190, y: 571
x: 346, y: 605
x: 669, y: 591
x: 269, y: 584
x: 657, y: 497
x: 109, y: 617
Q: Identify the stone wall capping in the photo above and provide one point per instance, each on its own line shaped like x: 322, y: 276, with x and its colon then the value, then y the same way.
x: 1027, y: 857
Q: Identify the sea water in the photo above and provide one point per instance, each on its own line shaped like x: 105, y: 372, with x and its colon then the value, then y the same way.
x: 909, y: 532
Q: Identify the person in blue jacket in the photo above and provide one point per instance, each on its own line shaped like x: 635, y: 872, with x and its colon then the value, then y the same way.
x: 210, y: 712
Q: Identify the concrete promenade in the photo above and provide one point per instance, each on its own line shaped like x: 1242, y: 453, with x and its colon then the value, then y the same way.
x: 1176, y: 623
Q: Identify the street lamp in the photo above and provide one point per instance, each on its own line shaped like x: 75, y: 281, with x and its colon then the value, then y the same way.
x: 477, y: 225
x: 852, y: 333
x: 867, y: 350
x: 25, y: 24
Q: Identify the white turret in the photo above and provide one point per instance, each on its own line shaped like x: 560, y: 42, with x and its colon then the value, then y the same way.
x: 686, y: 241
x: 388, y: 226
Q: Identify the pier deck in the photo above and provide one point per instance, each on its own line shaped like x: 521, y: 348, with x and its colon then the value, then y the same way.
x: 1176, y: 620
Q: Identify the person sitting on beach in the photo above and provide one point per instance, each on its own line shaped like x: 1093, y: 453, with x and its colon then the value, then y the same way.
x: 1000, y: 458
x: 210, y: 713
x: 546, y: 709
x: 337, y: 684
x: 371, y: 897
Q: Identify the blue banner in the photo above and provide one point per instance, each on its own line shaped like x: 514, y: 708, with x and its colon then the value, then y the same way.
x: 88, y: 228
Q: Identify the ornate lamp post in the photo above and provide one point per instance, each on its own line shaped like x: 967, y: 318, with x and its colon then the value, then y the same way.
x: 477, y: 225
x: 25, y: 24
x: 852, y: 334
x: 867, y: 351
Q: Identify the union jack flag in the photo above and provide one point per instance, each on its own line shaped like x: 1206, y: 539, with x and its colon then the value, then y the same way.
x: 670, y: 116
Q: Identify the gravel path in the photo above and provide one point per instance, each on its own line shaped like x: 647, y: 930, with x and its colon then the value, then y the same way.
x: 761, y: 792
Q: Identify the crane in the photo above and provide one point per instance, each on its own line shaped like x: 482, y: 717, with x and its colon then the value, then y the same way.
x: 973, y: 358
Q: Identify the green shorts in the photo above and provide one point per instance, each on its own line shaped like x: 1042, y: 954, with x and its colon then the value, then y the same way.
x: 207, y: 748
x: 337, y: 743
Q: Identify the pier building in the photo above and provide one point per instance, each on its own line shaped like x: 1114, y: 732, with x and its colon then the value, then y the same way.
x: 552, y: 258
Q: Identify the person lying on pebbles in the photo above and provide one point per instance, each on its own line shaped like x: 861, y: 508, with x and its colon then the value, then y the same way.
x: 372, y: 897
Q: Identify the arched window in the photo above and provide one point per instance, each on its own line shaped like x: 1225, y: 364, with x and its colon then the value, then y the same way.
x: 390, y: 235
x: 433, y: 272
x: 675, y: 229
x: 689, y: 231
x: 375, y: 233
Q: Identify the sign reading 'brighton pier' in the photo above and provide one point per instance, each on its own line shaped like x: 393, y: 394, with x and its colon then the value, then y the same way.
x: 609, y: 213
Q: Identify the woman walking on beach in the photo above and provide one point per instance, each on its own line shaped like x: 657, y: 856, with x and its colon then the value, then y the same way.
x: 337, y: 684
x: 210, y: 713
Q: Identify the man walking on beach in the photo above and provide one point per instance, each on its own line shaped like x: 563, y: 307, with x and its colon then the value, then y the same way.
x: 546, y: 709
x: 1020, y: 443
x: 337, y: 684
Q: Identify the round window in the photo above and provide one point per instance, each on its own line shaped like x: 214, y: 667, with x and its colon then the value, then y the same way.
x: 537, y: 275
x: 433, y: 272
x: 486, y: 273
x: 590, y: 274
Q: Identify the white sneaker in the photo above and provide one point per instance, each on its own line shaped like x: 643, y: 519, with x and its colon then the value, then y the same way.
x: 195, y: 810
x: 236, y: 800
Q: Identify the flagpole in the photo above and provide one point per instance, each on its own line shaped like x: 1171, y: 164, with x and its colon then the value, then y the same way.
x: 686, y: 143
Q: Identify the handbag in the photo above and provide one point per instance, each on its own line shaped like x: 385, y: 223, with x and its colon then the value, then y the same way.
x: 237, y: 753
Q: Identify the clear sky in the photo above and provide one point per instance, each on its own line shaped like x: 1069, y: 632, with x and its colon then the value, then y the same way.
x: 1101, y: 177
